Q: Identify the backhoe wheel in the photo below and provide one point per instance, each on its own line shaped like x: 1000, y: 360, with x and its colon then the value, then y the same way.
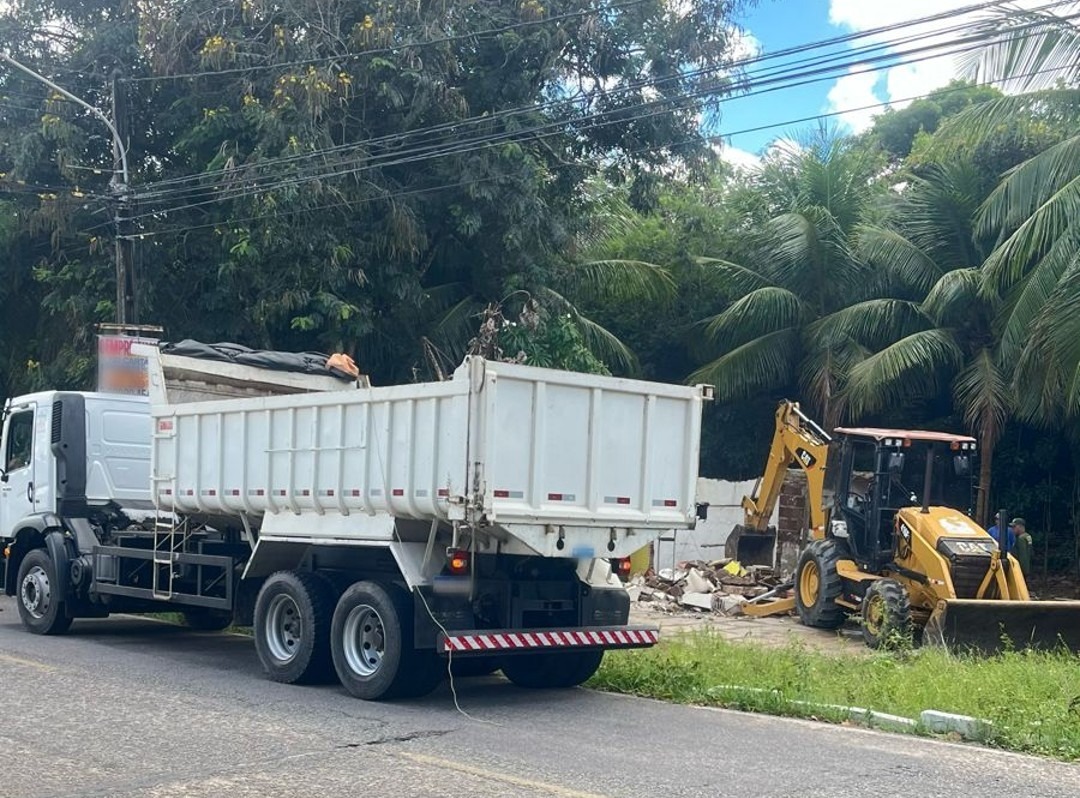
x: 552, y: 670
x: 817, y: 585
x: 41, y: 607
x: 292, y: 627
x: 372, y: 644
x: 886, y: 615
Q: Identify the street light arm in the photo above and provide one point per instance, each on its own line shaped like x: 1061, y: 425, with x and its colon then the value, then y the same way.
x: 120, y: 148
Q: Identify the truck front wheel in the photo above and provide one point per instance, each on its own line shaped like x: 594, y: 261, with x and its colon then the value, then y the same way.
x: 551, y: 670
x: 41, y: 607
x: 372, y: 643
x: 292, y: 627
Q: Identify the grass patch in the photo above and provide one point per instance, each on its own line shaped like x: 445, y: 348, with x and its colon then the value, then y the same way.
x: 1031, y: 698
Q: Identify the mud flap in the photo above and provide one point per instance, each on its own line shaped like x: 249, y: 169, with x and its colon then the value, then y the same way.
x: 751, y: 547
x: 989, y: 626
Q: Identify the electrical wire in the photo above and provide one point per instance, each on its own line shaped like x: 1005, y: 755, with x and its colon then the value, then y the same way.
x: 776, y: 80
x: 487, y: 118
x: 718, y: 138
x: 542, y: 131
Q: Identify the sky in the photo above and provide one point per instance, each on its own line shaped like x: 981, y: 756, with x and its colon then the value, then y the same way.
x: 774, y: 25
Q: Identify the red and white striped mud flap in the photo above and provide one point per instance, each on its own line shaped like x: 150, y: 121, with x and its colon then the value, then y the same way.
x: 483, y: 641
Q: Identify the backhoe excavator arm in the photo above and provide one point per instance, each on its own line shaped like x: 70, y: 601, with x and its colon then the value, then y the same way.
x: 798, y: 440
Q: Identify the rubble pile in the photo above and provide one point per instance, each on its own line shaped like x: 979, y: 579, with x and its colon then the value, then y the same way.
x: 717, y: 586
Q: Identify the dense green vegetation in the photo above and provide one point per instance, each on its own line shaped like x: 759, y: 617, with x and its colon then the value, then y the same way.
x: 1029, y: 698
x: 410, y: 182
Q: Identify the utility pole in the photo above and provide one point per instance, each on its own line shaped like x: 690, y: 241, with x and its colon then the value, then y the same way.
x: 120, y: 184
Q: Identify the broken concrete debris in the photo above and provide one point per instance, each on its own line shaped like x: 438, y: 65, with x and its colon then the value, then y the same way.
x: 704, y: 586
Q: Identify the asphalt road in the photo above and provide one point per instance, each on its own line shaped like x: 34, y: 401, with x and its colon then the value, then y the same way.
x: 129, y: 707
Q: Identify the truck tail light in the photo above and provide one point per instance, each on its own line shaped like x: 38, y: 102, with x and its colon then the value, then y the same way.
x: 622, y: 567
x: 458, y: 562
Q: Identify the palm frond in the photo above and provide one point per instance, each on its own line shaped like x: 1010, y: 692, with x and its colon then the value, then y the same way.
x: 984, y: 395
x: 601, y: 342
x: 956, y: 295
x: 823, y: 375
x: 621, y: 281
x: 733, y: 278
x: 912, y: 368
x: 983, y: 122
x: 1029, y: 49
x: 1028, y: 300
x: 455, y: 327
x: 898, y: 259
x: 758, y: 365
x: 874, y: 323
x: 760, y: 312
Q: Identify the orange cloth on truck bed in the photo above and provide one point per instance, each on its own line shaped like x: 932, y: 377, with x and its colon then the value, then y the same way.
x: 343, y: 363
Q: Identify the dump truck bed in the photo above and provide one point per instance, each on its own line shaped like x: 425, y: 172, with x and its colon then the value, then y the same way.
x: 553, y: 462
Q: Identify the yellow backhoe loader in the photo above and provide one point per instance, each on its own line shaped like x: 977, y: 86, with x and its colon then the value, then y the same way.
x: 896, y: 546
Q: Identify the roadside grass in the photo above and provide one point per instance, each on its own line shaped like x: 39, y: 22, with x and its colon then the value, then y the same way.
x: 1031, y: 698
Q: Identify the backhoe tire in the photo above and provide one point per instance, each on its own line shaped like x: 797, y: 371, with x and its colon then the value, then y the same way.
x: 39, y: 595
x: 817, y: 585
x: 292, y: 627
x: 552, y: 670
x: 886, y: 615
x: 372, y: 644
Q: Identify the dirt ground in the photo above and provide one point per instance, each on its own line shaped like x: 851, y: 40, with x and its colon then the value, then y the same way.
x: 775, y: 632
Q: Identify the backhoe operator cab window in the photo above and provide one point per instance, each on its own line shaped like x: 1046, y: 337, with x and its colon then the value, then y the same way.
x: 20, y: 440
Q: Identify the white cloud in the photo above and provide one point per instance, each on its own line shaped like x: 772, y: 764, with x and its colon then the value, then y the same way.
x: 740, y: 159
x: 899, y: 83
x: 855, y: 91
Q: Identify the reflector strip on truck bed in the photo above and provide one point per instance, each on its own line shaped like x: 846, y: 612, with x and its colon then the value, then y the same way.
x: 472, y: 642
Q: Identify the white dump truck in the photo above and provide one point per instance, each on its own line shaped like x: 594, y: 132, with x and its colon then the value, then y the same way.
x: 371, y: 533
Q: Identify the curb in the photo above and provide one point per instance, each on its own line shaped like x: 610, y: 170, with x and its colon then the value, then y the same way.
x: 929, y: 720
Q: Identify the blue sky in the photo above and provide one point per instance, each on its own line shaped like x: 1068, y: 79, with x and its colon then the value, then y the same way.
x: 778, y: 24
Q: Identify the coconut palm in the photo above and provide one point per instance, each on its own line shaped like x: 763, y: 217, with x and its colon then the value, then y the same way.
x: 801, y: 267
x: 936, y: 330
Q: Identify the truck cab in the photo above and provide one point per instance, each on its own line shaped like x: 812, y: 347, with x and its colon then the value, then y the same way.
x: 69, y: 455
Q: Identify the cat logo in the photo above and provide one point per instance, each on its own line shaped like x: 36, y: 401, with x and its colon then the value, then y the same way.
x: 805, y: 457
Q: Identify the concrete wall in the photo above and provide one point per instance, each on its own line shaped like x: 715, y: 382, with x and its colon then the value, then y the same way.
x: 706, y: 541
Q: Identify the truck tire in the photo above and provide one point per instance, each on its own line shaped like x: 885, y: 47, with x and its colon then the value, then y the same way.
x: 292, y: 627
x: 371, y: 640
x: 552, y: 670
x: 817, y: 585
x: 886, y: 615
x: 207, y: 620
x: 38, y: 593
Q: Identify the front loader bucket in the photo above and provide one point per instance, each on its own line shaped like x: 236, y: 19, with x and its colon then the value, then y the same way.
x: 751, y: 547
x: 988, y: 626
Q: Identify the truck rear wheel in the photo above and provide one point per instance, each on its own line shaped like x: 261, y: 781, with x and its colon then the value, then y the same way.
x: 292, y: 627
x: 372, y: 644
x: 552, y: 670
x: 41, y: 607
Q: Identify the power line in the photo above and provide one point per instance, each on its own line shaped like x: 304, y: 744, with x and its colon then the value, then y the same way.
x: 554, y: 128
x: 632, y: 86
x: 718, y: 138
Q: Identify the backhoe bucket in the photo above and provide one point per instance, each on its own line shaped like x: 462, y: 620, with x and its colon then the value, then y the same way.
x: 751, y: 547
x: 989, y: 626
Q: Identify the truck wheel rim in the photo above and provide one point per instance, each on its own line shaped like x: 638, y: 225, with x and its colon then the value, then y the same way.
x: 36, y: 592
x: 284, y: 628
x: 364, y: 640
x: 809, y: 582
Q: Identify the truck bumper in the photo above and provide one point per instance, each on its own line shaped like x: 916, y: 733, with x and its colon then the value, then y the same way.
x: 509, y: 641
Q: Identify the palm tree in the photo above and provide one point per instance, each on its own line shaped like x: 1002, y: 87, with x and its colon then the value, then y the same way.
x: 801, y: 267
x: 936, y: 329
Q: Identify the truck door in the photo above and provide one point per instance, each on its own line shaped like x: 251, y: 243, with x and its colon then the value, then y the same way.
x: 17, y: 480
